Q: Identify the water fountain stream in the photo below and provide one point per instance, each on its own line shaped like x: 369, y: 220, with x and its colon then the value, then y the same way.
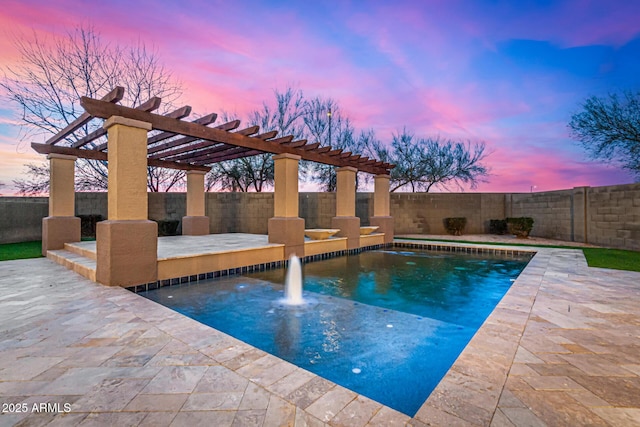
x: 293, y: 283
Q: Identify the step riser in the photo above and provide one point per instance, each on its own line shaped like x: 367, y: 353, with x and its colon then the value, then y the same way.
x: 83, y: 270
x: 80, y: 251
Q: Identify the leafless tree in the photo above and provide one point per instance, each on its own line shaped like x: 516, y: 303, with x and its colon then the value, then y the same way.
x: 609, y: 129
x: 326, y: 124
x: 256, y: 173
x: 51, y: 77
x: 422, y: 164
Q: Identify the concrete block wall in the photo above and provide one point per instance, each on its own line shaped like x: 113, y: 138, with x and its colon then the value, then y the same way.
x: 606, y: 216
x: 317, y: 209
x: 21, y: 218
x: 613, y: 214
x: 424, y: 213
x: 239, y: 212
x: 552, y: 212
x: 92, y: 204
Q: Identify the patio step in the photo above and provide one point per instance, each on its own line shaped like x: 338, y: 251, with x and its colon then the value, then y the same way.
x: 80, y: 264
x: 81, y: 250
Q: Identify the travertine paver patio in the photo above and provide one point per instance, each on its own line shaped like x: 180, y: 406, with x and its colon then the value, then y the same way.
x: 562, y: 348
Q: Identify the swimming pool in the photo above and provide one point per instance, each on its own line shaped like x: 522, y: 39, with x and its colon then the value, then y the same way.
x: 387, y: 324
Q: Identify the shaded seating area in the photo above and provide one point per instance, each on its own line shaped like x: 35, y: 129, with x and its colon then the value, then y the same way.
x: 126, y: 251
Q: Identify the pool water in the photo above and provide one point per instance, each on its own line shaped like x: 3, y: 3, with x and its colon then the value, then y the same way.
x: 387, y: 324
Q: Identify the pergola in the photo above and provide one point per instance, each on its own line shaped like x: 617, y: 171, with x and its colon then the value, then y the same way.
x: 193, y: 146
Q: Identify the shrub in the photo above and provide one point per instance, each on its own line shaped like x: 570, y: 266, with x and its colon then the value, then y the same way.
x: 88, y: 225
x: 455, y: 226
x: 167, y: 227
x: 521, y: 226
x: 498, y: 226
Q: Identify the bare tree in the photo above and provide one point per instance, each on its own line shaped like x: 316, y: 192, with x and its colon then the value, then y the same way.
x: 38, y: 181
x: 256, y: 173
x: 326, y: 124
x: 422, y: 163
x: 52, y: 76
x: 609, y: 129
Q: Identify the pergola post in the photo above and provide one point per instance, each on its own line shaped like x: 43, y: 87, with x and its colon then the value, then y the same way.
x: 286, y: 227
x: 195, y: 223
x: 346, y: 219
x: 127, y: 243
x: 61, y: 226
x: 381, y: 207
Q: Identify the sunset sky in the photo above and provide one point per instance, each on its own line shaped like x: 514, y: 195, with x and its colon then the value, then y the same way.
x: 509, y: 73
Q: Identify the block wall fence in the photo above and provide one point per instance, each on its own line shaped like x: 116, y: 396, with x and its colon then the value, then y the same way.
x: 606, y: 216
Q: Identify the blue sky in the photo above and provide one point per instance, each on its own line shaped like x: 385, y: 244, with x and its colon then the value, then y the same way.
x: 506, y: 73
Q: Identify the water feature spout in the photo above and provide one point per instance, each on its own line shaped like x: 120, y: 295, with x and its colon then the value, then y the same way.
x: 293, y: 283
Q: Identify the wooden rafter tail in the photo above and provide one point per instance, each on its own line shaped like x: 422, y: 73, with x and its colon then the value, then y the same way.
x: 204, y: 120
x: 283, y: 140
x: 334, y: 153
x: 114, y: 96
x: 152, y: 104
x: 233, y: 124
x: 296, y: 144
x: 148, y: 106
x: 322, y: 150
x: 249, y: 131
x: 267, y: 135
x: 311, y: 147
x: 370, y: 162
x: 346, y: 155
x: 180, y: 113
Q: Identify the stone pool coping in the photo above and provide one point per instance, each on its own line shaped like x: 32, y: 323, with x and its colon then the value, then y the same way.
x: 118, y: 358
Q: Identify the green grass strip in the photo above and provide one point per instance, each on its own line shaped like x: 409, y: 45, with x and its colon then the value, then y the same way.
x: 617, y: 259
x: 24, y: 250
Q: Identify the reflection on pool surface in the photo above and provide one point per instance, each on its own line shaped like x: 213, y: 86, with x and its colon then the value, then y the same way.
x: 386, y: 324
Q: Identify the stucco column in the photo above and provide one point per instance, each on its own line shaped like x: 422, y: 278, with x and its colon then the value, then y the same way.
x: 286, y: 227
x: 61, y: 226
x: 195, y: 223
x: 381, y: 207
x: 346, y: 219
x: 127, y: 243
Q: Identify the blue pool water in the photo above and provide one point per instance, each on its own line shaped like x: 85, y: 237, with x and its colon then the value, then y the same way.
x: 387, y: 324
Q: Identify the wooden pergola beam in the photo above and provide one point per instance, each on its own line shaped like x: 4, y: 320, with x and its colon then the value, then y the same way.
x: 101, y: 155
x: 309, y: 147
x: 229, y: 154
x: 212, y: 153
x: 238, y: 155
x: 186, y: 148
x: 188, y: 139
x: 249, y: 131
x: 105, y: 110
x: 204, y: 120
x: 114, y: 96
x: 149, y: 105
x: 202, y: 148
